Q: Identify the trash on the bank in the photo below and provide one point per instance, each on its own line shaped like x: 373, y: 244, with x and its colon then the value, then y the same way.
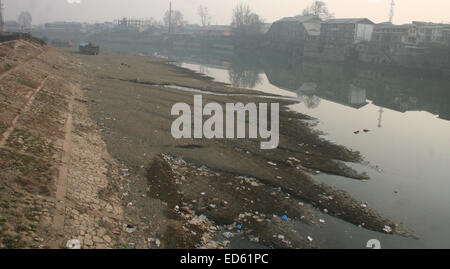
x: 272, y: 163
x: 239, y: 226
x: 228, y: 235
x: 73, y: 244
x: 387, y: 229
x: 364, y: 205
x: 284, y: 217
x: 130, y: 228
x: 281, y: 237
x: 294, y: 159
x: 325, y: 211
x: 309, y: 238
x: 254, y: 239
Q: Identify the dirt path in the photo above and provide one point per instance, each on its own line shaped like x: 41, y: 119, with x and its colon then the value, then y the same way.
x: 25, y: 108
x: 61, y: 185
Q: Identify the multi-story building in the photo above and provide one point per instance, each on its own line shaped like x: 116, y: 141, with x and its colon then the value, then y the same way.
x: 13, y: 27
x: 64, y: 27
x: 390, y: 37
x: 428, y: 32
x: 346, y: 32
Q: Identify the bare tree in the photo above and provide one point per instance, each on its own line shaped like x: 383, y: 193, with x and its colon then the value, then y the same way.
x: 175, y: 21
x: 25, y: 20
x: 203, y: 12
x: 245, y: 22
x: 319, y: 9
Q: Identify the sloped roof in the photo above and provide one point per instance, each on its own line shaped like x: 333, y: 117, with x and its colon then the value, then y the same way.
x: 298, y: 18
x: 349, y: 20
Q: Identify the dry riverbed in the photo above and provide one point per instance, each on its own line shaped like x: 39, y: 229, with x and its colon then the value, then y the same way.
x: 200, y: 193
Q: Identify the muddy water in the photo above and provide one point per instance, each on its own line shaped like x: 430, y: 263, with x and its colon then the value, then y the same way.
x: 406, y: 142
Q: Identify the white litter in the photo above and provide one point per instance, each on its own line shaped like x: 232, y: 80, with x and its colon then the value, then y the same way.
x: 73, y: 244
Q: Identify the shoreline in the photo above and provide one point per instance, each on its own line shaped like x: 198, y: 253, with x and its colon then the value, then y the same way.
x: 240, y: 164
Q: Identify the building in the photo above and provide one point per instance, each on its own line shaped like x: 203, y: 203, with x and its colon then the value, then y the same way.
x: 216, y: 30
x: 390, y: 38
x: 346, y: 32
x: 446, y: 35
x: 294, y: 31
x: 64, y: 27
x: 12, y: 27
x: 429, y: 32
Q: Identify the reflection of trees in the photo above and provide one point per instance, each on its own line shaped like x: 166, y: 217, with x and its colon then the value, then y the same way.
x: 244, y: 78
x: 310, y: 101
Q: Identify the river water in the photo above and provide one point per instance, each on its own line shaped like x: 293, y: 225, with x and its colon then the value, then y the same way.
x: 406, y: 148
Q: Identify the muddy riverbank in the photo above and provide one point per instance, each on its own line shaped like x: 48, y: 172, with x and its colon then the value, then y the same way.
x: 193, y: 193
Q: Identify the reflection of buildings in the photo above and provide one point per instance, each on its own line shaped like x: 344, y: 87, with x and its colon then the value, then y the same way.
x: 356, y: 96
x: 346, y: 85
x: 335, y: 85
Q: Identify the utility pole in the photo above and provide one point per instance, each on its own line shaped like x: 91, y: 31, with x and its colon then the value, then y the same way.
x: 392, y: 12
x: 170, y: 17
x: 1, y: 17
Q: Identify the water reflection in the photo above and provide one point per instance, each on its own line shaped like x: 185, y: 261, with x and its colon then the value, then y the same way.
x: 407, y: 114
x: 349, y: 85
x: 242, y: 77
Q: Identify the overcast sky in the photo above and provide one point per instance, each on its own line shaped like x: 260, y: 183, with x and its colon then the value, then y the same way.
x: 270, y: 10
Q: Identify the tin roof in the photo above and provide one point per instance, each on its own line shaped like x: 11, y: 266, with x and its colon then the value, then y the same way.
x: 349, y: 20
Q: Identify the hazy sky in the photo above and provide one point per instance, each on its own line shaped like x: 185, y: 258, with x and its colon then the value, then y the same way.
x: 270, y: 10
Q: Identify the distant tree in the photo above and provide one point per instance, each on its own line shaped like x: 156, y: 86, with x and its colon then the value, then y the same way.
x: 25, y: 20
x: 319, y: 9
x: 175, y: 21
x: 245, y: 22
x: 203, y: 12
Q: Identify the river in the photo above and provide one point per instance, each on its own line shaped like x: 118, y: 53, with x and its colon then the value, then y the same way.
x: 406, y: 146
x: 404, y: 131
